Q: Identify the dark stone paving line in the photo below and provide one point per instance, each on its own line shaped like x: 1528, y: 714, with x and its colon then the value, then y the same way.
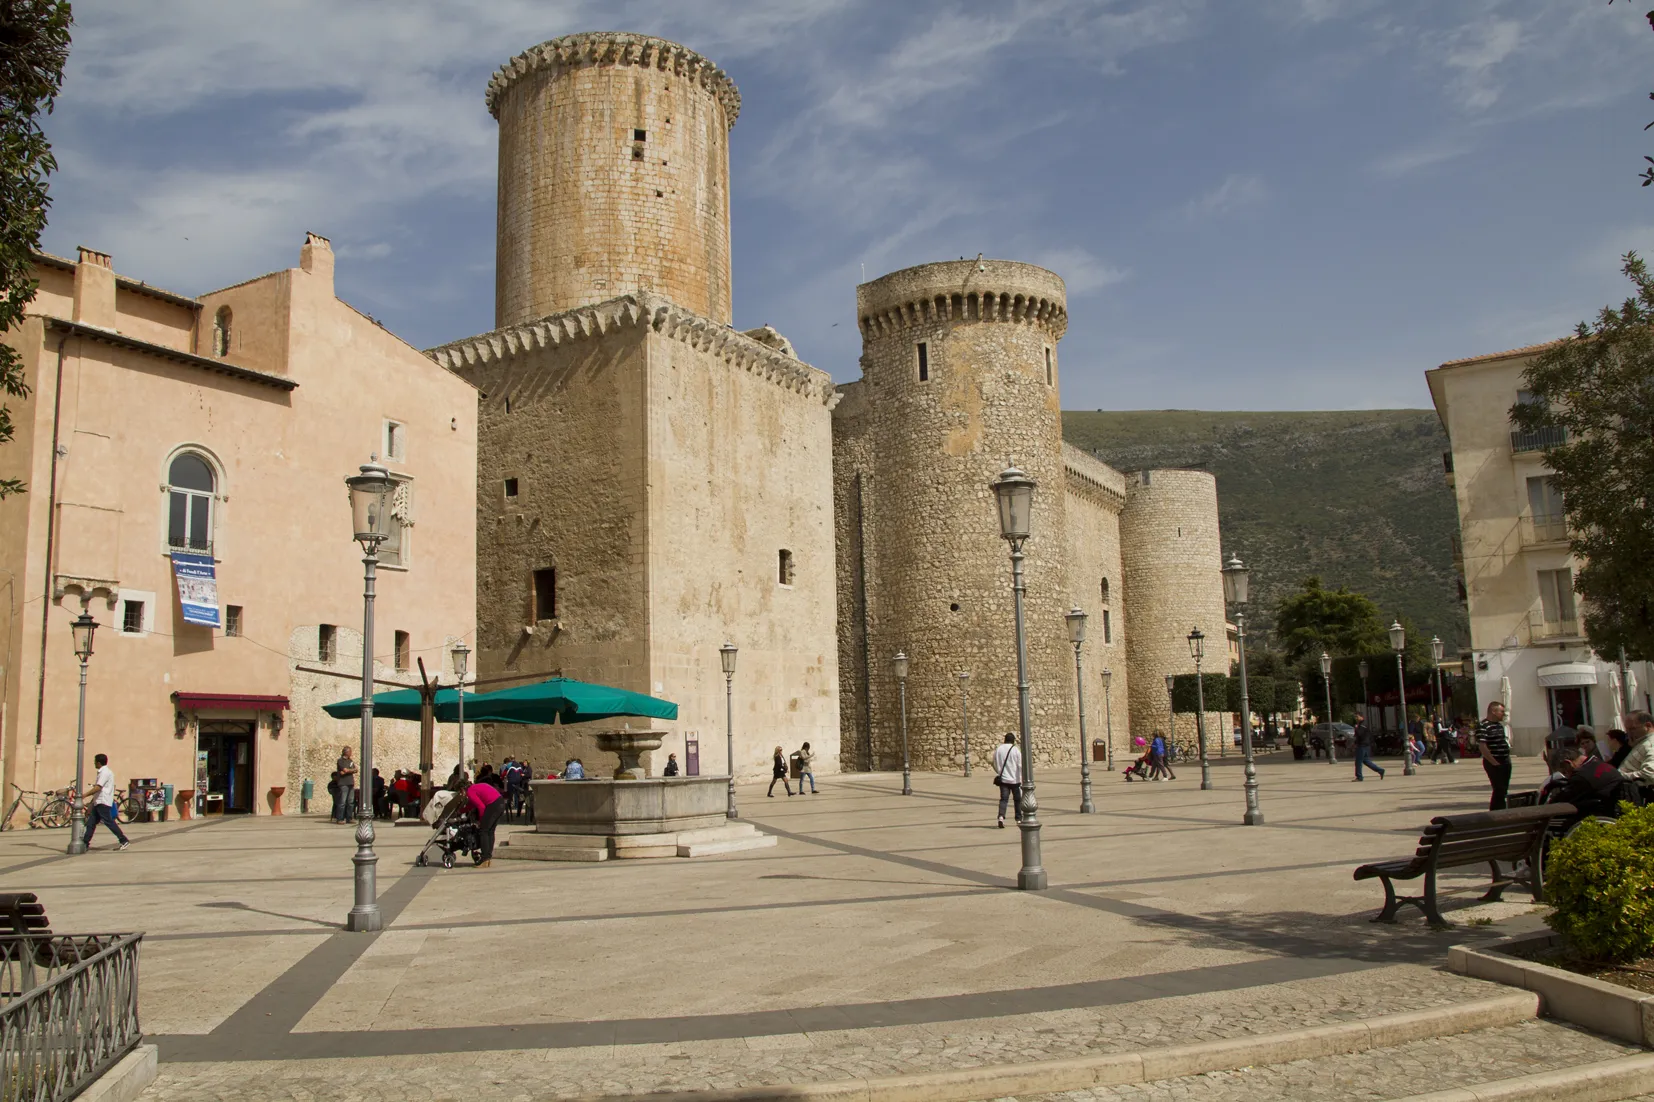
x: 288, y: 998
x: 212, y: 935
x: 136, y: 841
x: 269, y: 1045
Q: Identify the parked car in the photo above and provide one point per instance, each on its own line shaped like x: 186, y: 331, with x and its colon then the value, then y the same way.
x: 1343, y: 735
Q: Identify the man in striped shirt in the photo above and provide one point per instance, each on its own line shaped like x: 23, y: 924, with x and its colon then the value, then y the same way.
x: 1494, y: 745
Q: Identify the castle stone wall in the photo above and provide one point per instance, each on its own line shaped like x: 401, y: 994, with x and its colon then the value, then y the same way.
x: 588, y: 210
x: 1172, y: 555
x: 1096, y: 494
x: 941, y: 590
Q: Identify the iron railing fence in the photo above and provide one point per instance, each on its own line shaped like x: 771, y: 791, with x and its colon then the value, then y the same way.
x: 1540, y: 439
x: 68, y: 1011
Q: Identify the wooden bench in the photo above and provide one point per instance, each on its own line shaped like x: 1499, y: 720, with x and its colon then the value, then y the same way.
x: 1454, y: 841
x: 22, y: 915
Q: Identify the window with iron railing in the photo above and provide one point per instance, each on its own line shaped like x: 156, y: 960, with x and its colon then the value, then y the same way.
x: 1549, y: 436
x: 1558, y: 613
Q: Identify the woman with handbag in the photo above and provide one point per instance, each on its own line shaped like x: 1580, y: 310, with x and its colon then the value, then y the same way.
x: 779, y: 773
x: 1008, y: 776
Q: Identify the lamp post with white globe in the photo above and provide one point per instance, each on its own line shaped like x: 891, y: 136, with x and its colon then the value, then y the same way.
x: 1014, y: 494
x: 1236, y: 585
x: 1398, y: 642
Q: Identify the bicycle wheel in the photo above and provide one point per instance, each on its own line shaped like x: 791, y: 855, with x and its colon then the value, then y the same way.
x: 55, y: 814
x: 128, y: 810
x: 6, y: 823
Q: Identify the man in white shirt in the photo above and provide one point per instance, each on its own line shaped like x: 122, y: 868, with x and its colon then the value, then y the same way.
x: 1008, y: 776
x: 1638, y: 765
x: 103, y: 803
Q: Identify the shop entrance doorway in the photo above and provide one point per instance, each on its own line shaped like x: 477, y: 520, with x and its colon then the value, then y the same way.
x: 1570, y: 707
x: 224, y: 767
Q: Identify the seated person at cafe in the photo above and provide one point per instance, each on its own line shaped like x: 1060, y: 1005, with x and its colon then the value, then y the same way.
x: 1591, y: 784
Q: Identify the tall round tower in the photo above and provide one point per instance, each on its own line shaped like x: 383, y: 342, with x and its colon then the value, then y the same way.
x: 960, y: 370
x: 614, y: 175
x: 1172, y: 553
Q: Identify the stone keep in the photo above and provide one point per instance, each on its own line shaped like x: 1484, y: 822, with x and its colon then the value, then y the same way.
x: 651, y: 482
x: 614, y: 176
x: 959, y: 378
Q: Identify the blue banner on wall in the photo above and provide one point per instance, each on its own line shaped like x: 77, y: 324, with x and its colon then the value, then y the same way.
x: 197, y: 588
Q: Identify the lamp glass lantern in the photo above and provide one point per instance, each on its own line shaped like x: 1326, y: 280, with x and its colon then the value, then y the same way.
x: 462, y: 659
x: 1076, y: 625
x: 1326, y: 665
x: 899, y: 664
x: 1398, y: 637
x: 1236, y: 581
x: 726, y: 655
x: 1363, y: 669
x: 1197, y: 644
x: 1171, y: 684
x: 1436, y: 648
x: 371, y: 493
x: 1108, y: 678
x: 83, y: 627
x: 1014, y: 491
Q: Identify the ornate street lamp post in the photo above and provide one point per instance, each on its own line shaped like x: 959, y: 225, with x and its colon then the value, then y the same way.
x: 371, y: 493
x: 1197, y: 650
x: 1108, y: 715
x: 1236, y: 584
x: 726, y: 655
x: 1436, y: 648
x: 462, y: 662
x: 899, y: 664
x: 1014, y: 494
x: 1398, y: 642
x: 965, y: 715
x: 1326, y: 683
x: 1171, y: 713
x: 83, y: 627
x: 1076, y: 635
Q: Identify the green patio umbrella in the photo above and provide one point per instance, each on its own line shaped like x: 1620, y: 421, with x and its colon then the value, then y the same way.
x: 558, y: 700
x: 564, y: 700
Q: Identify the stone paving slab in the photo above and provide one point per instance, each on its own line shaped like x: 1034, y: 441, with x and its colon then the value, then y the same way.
x: 1414, y: 1068
x: 831, y: 1054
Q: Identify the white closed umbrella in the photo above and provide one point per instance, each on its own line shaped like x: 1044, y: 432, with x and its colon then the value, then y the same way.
x: 1614, y: 687
x: 1504, y: 697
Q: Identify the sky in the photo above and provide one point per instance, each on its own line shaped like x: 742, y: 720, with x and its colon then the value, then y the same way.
x: 1275, y: 204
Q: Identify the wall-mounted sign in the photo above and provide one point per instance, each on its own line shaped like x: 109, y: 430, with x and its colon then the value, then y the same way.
x: 197, y: 588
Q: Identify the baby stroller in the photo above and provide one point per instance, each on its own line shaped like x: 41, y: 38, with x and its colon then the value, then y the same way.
x: 454, y: 830
x: 1140, y: 767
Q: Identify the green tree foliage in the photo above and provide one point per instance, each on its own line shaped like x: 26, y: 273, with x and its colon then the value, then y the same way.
x: 1598, y: 385
x: 1601, y: 881
x: 34, y: 44
x: 1214, y: 686
x: 1317, y: 619
x: 1648, y: 173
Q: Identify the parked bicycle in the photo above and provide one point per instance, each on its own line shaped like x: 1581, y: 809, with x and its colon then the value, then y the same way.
x: 46, y: 809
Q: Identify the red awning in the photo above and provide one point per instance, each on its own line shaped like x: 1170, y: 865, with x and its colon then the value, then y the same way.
x: 241, y: 702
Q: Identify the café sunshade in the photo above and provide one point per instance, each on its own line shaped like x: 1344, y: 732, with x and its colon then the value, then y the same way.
x: 556, y: 700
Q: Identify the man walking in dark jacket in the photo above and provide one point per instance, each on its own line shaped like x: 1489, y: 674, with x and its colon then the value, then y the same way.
x: 1364, y: 749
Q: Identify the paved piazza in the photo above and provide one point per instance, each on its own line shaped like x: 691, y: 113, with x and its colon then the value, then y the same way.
x: 882, y: 936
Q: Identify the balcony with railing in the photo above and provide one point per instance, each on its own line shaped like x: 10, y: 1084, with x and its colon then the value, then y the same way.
x: 1447, y: 468
x: 1555, y: 629
x: 1538, y: 531
x: 1538, y: 440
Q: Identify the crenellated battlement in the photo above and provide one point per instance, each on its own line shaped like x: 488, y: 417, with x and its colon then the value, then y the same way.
x: 640, y: 309
x: 965, y: 290
x: 592, y: 48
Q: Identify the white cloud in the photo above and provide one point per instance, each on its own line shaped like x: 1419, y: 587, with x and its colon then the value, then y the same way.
x: 1238, y: 191
x: 1081, y: 270
x: 1406, y: 161
x: 1475, y: 51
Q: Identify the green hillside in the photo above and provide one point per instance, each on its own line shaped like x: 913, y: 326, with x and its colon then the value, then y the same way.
x: 1354, y: 496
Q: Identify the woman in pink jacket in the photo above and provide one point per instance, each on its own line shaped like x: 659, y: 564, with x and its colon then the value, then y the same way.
x: 488, y: 805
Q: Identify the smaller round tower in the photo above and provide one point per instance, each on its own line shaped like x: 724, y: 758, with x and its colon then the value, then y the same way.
x: 1172, y: 553
x: 960, y: 376
x: 614, y: 175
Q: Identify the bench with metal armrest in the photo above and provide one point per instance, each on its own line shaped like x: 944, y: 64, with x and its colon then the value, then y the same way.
x: 1455, y: 841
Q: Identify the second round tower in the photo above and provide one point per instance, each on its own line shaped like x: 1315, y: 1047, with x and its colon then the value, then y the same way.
x: 960, y: 375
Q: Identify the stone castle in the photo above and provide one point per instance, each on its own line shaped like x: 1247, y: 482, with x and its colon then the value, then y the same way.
x: 653, y: 481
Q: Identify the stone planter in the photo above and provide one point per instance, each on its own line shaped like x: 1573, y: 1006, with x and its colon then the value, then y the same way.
x: 1604, y: 1007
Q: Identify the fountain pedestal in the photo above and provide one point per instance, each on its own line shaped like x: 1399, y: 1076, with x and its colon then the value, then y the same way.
x: 630, y: 746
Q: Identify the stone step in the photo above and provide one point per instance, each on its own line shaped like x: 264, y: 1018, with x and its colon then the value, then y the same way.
x: 1536, y: 1059
x: 530, y: 845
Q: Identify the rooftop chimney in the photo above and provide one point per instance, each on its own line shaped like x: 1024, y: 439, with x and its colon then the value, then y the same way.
x: 316, y: 257
x: 94, y: 289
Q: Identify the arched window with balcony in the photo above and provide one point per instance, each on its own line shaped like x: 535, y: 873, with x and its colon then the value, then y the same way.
x: 191, y: 489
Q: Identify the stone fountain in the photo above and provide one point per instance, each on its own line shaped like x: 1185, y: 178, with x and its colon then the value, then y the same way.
x: 631, y: 815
